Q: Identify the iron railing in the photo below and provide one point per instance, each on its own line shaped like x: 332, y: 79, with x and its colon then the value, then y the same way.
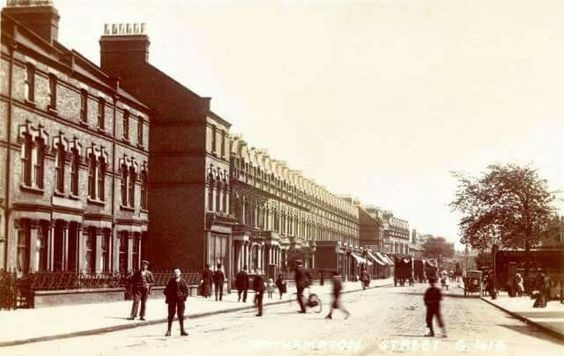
x: 8, y: 290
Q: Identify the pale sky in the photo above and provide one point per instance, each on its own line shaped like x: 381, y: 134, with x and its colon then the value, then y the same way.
x: 376, y: 99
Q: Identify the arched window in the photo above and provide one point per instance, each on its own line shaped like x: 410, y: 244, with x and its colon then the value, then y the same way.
x: 60, y: 168
x: 123, y: 185
x: 75, y: 165
x: 92, y: 176
x: 39, y: 162
x: 132, y: 178
x: 101, y: 178
x: 27, y: 159
x: 144, y: 188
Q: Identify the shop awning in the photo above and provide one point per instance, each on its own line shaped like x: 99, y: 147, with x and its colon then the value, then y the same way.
x: 385, y: 258
x: 389, y: 259
x: 358, y: 258
x: 376, y: 259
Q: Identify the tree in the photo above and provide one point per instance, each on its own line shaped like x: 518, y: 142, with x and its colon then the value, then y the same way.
x: 508, y: 206
x: 438, y: 247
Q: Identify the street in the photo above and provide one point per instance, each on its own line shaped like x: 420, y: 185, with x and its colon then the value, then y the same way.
x: 384, y: 320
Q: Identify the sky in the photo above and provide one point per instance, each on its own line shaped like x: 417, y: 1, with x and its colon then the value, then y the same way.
x: 380, y: 100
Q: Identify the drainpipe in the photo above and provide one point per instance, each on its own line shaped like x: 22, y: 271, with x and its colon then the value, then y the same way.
x: 115, y: 98
x: 7, y: 212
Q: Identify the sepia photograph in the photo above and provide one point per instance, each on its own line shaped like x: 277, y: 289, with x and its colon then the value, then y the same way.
x: 281, y: 177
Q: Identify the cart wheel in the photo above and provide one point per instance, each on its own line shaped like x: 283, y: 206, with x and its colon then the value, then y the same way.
x: 314, y: 302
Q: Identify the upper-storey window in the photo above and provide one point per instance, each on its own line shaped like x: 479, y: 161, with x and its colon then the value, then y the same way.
x: 126, y: 125
x: 222, y: 143
x: 132, y: 178
x: 92, y: 176
x: 101, y: 177
x: 60, y: 168
x: 140, y: 131
x: 214, y: 139
x: 39, y: 164
x: 75, y: 165
x: 144, y: 188
x: 30, y: 82
x: 101, y: 113
x: 27, y: 159
x: 52, y: 92
x: 84, y: 106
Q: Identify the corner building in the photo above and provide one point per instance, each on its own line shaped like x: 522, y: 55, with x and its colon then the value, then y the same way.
x: 73, y: 154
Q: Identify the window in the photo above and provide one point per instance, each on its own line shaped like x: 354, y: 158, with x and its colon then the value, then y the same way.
x: 26, y: 159
x: 75, y: 165
x: 222, y: 143
x: 101, y: 113
x: 60, y: 168
x: 218, y: 194
x: 101, y: 179
x: 52, y: 92
x: 84, y: 106
x: 135, y: 253
x: 30, y: 82
x: 24, y: 236
x: 132, y: 177
x: 140, y: 131
x: 90, y: 251
x: 123, y: 185
x: 214, y: 141
x: 123, y: 251
x: 39, y: 162
x: 126, y: 125
x: 92, y: 176
x: 41, y: 251
x: 217, y: 246
x: 210, y: 195
x: 105, y: 252
x: 144, y: 189
x: 225, y: 210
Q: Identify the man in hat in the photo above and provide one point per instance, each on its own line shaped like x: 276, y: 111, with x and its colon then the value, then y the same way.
x: 141, y: 282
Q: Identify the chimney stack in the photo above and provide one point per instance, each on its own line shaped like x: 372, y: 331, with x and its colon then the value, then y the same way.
x: 123, y: 44
x: 38, y: 15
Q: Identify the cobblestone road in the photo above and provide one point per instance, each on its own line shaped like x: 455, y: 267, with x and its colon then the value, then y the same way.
x: 384, y: 320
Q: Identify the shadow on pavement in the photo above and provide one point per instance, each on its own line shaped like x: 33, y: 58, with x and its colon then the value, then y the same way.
x: 450, y: 295
x: 530, y: 331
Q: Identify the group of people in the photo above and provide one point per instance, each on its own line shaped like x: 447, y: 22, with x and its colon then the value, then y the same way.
x: 212, y: 278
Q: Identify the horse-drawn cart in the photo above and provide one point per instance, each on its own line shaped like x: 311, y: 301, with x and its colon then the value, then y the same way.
x: 473, y: 282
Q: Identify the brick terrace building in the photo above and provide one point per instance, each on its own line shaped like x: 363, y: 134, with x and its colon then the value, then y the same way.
x: 73, y: 154
x: 278, y: 209
x: 189, y: 154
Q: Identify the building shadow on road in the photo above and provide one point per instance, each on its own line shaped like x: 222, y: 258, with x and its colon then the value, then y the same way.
x: 533, y: 332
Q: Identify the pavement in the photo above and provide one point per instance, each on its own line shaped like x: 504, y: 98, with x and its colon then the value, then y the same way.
x: 23, y: 326
x: 549, y: 319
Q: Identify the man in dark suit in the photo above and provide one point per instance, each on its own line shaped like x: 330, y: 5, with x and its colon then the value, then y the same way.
x: 258, y: 286
x: 176, y: 292
x: 242, y: 284
x: 218, y: 279
x: 141, y: 282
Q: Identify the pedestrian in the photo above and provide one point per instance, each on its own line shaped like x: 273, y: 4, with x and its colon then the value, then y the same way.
x: 207, y: 281
x: 302, y: 282
x: 364, y: 278
x: 270, y: 286
x: 281, y: 284
x: 519, y: 284
x: 336, y: 302
x: 242, y: 284
x: 218, y: 280
x: 176, y: 292
x: 258, y: 286
x: 432, y: 299
x: 141, y: 282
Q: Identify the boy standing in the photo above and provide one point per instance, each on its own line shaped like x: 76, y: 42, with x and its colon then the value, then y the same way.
x: 432, y: 299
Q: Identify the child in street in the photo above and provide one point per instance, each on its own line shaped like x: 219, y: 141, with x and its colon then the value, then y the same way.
x: 432, y: 299
x: 270, y: 286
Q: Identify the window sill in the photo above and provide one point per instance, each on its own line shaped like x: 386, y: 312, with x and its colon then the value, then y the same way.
x: 125, y: 139
x: 58, y: 193
x: 95, y: 201
x: 140, y: 146
x: 72, y: 196
x: 30, y: 103
x: 143, y: 210
x: 31, y: 189
x: 83, y: 123
x: 101, y: 130
x: 52, y: 111
x: 127, y: 208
